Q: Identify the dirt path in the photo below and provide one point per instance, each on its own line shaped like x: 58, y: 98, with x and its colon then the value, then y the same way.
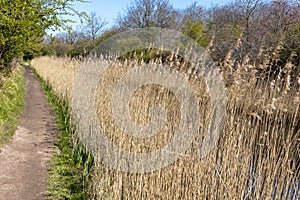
x: 24, y: 161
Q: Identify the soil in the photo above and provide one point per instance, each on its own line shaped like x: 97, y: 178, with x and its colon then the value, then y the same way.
x: 24, y: 161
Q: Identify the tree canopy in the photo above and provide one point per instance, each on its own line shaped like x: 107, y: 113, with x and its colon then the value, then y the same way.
x: 24, y: 22
x: 147, y: 13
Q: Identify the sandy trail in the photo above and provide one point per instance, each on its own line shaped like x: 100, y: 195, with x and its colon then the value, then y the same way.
x: 25, y: 159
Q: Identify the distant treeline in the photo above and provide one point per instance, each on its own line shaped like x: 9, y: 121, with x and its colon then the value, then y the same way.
x: 252, y: 32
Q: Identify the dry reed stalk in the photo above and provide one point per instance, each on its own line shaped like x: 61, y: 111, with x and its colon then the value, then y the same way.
x: 209, y: 47
x: 279, y: 46
x: 288, y: 70
x: 229, y: 60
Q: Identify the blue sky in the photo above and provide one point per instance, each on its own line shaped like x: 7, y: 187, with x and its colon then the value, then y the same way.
x: 109, y: 9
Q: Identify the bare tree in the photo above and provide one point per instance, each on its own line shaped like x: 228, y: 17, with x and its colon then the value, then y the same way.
x: 247, y: 9
x: 75, y: 36
x: 147, y: 13
x: 94, y: 26
x: 193, y: 13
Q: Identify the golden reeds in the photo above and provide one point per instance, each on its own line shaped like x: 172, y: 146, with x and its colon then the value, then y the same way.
x: 257, y: 156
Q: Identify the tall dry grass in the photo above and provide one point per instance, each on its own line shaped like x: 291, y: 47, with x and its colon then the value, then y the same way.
x: 59, y: 72
x: 257, y: 156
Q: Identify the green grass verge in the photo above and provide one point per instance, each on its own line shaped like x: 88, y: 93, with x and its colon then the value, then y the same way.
x: 70, y: 168
x: 12, y: 101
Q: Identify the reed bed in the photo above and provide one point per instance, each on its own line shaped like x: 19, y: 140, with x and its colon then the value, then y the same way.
x: 257, y: 155
x: 50, y: 68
